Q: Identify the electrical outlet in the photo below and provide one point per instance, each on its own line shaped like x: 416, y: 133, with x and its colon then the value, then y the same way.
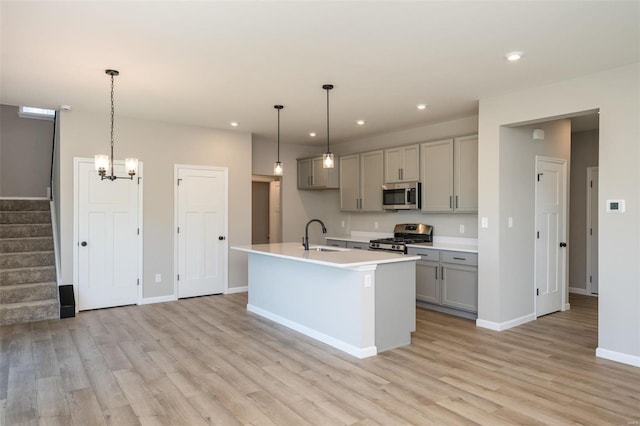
x: 484, y: 222
x: 375, y: 225
x: 510, y: 222
x: 342, y: 223
x: 462, y: 229
x: 158, y: 278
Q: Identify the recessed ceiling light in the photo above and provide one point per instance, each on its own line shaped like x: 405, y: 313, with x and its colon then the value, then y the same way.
x: 513, y: 56
x: 360, y: 122
x: 312, y: 134
x: 235, y: 124
x: 422, y: 106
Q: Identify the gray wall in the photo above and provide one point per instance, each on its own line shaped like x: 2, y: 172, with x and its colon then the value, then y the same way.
x: 25, y: 154
x: 616, y: 94
x: 584, y: 153
x: 159, y: 146
x: 518, y: 153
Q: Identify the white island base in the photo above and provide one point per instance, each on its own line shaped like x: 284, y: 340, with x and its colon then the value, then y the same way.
x: 361, y: 308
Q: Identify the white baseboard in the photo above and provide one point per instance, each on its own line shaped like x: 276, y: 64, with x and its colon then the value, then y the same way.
x: 577, y: 290
x: 501, y: 326
x: 231, y: 290
x: 633, y: 360
x: 159, y: 299
x: 331, y: 341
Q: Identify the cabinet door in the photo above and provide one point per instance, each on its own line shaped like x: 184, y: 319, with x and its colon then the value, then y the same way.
x: 371, y: 180
x: 460, y: 287
x: 319, y: 175
x: 466, y: 173
x: 350, y: 182
x: 392, y: 165
x: 437, y: 176
x: 304, y: 173
x: 427, y: 282
x: 411, y: 163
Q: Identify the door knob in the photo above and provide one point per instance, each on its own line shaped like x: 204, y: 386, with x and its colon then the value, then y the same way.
x: 563, y: 244
x: 83, y: 244
x: 221, y: 238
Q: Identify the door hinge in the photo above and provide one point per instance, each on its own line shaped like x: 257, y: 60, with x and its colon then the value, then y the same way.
x: 178, y: 277
x: 178, y: 229
x: 179, y: 182
x: 590, y: 279
x: 538, y: 234
x: 537, y: 292
x: 539, y: 174
x: 590, y: 231
x: 138, y: 280
x: 138, y: 231
x: 591, y: 183
x: 139, y: 180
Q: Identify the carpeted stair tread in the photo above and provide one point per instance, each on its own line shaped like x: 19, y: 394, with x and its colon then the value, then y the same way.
x: 25, y: 217
x: 25, y: 230
x: 13, y: 313
x: 27, y: 275
x: 29, y: 259
x: 24, y: 205
x: 28, y: 292
x: 24, y: 245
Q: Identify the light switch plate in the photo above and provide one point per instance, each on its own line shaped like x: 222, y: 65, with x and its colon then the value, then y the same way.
x: 484, y: 222
x: 510, y: 222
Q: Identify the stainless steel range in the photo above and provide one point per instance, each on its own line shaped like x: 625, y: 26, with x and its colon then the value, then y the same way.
x: 403, y: 234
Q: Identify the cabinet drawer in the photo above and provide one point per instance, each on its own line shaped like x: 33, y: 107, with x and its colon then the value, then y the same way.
x: 426, y: 254
x: 459, y: 257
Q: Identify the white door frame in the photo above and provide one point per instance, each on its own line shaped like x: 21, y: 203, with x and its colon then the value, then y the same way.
x: 176, y: 168
x: 590, y: 171
x: 76, y: 222
x: 565, y: 272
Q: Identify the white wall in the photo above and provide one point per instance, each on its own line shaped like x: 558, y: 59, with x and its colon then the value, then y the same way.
x: 616, y: 93
x: 159, y: 146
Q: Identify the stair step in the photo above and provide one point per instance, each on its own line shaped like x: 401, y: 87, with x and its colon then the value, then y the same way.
x: 25, y: 231
x: 27, y: 275
x: 24, y: 260
x: 22, y: 245
x: 24, y: 205
x: 13, y: 313
x: 28, y: 292
x: 24, y: 217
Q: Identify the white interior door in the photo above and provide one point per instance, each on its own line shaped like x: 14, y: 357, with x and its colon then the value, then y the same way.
x: 107, y: 255
x: 201, y: 211
x: 550, y: 252
x: 592, y: 230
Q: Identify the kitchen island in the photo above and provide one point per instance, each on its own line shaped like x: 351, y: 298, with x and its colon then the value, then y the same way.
x: 361, y: 302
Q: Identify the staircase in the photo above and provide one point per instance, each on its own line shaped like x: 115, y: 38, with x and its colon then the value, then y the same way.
x: 28, y: 289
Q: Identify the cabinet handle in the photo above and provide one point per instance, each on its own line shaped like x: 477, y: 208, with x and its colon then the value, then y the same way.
x: 436, y: 272
x: 442, y: 272
x: 456, y: 201
x: 459, y: 258
x: 450, y: 202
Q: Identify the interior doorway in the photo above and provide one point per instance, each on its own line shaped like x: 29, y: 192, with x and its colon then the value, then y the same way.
x: 266, y: 214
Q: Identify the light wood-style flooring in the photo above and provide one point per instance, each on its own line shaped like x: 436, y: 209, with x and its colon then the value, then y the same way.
x: 208, y: 361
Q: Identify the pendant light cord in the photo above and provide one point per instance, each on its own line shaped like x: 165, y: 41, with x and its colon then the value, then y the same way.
x: 328, y: 120
x: 278, y: 134
x: 112, y: 114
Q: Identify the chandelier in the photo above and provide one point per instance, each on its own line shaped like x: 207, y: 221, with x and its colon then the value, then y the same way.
x: 104, y: 163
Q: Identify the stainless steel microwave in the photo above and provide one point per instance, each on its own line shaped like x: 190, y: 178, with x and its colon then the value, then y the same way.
x: 401, y: 196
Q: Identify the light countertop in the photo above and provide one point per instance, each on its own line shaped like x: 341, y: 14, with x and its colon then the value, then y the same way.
x: 336, y: 257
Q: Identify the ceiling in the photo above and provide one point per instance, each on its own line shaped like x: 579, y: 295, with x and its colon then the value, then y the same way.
x: 210, y: 63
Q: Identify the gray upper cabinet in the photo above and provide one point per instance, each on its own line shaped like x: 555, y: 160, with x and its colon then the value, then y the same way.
x: 311, y: 174
x: 450, y: 175
x: 402, y: 164
x: 361, y: 181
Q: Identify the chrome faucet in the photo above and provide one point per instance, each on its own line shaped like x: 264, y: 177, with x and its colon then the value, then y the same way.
x: 305, y: 240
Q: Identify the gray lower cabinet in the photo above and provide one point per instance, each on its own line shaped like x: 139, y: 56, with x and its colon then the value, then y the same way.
x: 447, y: 278
x: 357, y: 245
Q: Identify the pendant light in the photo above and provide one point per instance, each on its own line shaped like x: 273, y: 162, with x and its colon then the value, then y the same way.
x: 327, y: 157
x: 104, y: 163
x: 277, y: 167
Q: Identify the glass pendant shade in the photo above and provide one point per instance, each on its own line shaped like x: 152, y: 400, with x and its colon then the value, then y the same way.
x: 277, y: 168
x: 131, y: 164
x: 102, y: 164
x: 327, y: 161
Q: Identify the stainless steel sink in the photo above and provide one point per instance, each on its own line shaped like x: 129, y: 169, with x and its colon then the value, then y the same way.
x: 323, y: 249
